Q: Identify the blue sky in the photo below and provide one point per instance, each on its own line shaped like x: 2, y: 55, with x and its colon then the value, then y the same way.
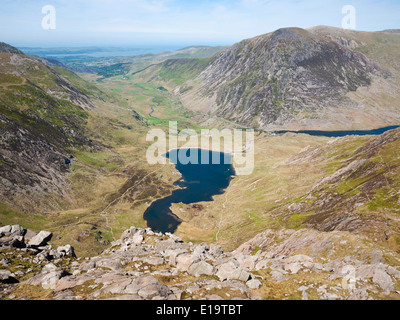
x: 178, y: 22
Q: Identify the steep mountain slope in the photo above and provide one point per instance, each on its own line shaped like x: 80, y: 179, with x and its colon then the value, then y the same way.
x: 300, y: 79
x: 6, y: 48
x: 173, y: 72
x: 360, y: 196
x: 42, y: 115
x: 71, y: 154
x: 381, y: 47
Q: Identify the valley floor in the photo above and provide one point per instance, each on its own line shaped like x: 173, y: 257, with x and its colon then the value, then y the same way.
x: 343, y: 191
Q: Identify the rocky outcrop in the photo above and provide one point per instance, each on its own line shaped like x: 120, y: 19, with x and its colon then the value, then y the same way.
x: 304, y: 264
x: 34, y: 250
x: 339, y: 255
x: 48, y: 278
x: 15, y: 236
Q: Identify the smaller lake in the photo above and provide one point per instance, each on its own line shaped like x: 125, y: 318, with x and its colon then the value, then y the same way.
x: 199, y: 182
x: 334, y: 134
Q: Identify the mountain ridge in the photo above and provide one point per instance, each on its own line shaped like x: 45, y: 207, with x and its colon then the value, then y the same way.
x: 296, y: 79
x: 6, y: 48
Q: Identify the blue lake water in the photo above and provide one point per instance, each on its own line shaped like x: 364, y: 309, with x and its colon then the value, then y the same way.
x: 334, y: 134
x: 199, y: 182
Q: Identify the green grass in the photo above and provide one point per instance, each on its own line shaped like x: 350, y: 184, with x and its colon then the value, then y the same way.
x: 146, y: 88
x: 352, y: 185
x: 255, y: 218
x: 9, y: 216
x: 256, y: 250
x: 156, y: 122
x: 180, y: 70
x: 296, y: 220
x: 383, y: 199
x: 10, y: 78
x: 138, y: 98
x: 32, y: 107
x: 97, y: 160
x: 114, y: 70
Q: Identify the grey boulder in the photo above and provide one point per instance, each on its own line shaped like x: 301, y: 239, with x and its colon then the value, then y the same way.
x: 232, y: 270
x: 66, y: 251
x: 41, y: 239
x: 7, y: 277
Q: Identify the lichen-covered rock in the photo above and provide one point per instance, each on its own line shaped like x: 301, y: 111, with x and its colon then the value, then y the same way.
x: 232, y: 270
x: 156, y: 269
x: 382, y: 279
x: 15, y: 230
x: 41, y: 239
x: 66, y: 250
x: 7, y: 276
x: 48, y: 278
x: 201, y: 268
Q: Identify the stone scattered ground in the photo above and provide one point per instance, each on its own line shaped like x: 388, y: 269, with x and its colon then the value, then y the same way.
x: 285, y: 264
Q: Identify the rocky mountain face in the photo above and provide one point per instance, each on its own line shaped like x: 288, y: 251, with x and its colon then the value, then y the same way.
x: 41, y: 115
x: 50, y: 62
x: 361, y: 196
x: 6, y: 48
x: 144, y: 265
x: 294, y: 79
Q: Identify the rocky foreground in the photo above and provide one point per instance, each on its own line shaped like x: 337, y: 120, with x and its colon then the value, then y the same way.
x: 283, y: 264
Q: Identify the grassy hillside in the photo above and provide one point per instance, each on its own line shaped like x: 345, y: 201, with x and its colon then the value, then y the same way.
x: 346, y: 184
x: 173, y: 72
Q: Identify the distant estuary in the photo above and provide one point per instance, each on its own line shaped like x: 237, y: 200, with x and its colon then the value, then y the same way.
x: 199, y: 182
